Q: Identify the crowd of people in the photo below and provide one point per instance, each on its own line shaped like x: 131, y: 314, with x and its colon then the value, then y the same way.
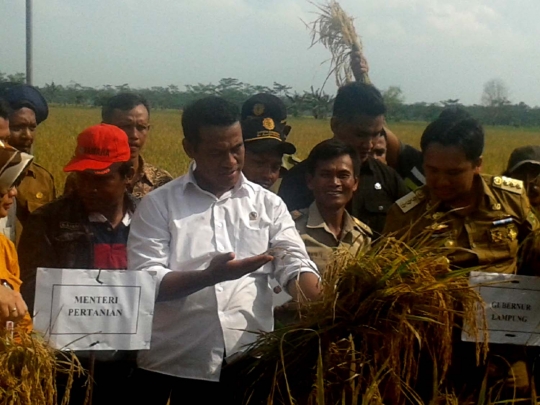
x: 248, y: 223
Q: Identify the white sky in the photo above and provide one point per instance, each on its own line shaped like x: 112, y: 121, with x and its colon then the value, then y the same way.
x: 433, y: 49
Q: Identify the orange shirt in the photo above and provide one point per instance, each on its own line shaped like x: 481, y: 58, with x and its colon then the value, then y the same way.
x: 9, y: 271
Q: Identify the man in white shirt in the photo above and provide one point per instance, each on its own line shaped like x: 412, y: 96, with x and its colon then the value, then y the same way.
x: 211, y: 302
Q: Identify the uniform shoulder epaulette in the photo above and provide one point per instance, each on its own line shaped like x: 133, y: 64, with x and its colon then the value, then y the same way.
x: 411, y: 200
x: 363, y: 226
x: 508, y: 184
x: 296, y: 215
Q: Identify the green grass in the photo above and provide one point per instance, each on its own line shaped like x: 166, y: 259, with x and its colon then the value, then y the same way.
x: 55, y: 142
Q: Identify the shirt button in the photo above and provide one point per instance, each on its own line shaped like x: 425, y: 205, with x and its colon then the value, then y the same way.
x: 109, y: 229
x: 219, y: 288
x: 381, y: 208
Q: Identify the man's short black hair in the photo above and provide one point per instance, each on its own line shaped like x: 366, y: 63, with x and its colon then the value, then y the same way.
x: 208, y: 111
x: 454, y: 113
x: 5, y: 110
x: 465, y: 133
x: 357, y: 98
x: 331, y: 149
x: 122, y: 102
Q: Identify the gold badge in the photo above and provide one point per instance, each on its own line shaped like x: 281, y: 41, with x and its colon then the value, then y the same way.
x: 496, y: 207
x: 496, y: 235
x: 512, y: 233
x: 497, y: 181
x: 39, y: 195
x: 258, y: 109
x: 268, y: 123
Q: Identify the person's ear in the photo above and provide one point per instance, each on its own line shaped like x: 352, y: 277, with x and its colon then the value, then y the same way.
x: 478, y: 165
x: 188, y: 148
x: 356, y: 182
x: 130, y: 175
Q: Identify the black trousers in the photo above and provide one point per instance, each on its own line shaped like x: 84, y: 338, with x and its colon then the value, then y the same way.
x: 156, y: 389
x: 113, y: 381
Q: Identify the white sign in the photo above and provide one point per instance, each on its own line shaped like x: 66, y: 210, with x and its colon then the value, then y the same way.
x: 95, y: 309
x: 512, y: 308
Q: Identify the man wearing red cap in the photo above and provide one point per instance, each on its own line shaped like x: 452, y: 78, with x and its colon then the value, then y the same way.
x: 87, y: 229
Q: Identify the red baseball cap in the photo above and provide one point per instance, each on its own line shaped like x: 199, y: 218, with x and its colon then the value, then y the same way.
x: 98, y: 148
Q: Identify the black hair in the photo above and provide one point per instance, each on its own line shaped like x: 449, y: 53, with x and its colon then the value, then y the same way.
x: 465, y: 133
x: 208, y: 111
x: 331, y: 149
x: 125, y: 168
x: 122, y: 102
x: 357, y: 98
x: 5, y: 110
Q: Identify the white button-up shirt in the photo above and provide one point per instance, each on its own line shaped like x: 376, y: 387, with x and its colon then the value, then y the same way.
x: 180, y: 227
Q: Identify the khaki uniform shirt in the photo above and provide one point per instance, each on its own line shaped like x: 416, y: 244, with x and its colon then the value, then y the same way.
x: 489, y: 236
x: 36, y: 189
x: 321, y: 242
x: 150, y: 177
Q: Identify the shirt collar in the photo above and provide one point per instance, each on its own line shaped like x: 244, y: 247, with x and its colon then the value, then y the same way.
x: 315, y: 220
x: 100, y: 218
x: 146, y: 171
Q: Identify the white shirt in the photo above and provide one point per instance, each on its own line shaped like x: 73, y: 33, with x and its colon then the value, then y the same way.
x: 180, y: 227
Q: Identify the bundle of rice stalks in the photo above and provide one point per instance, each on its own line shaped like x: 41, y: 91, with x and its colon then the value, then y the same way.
x: 28, y: 370
x: 335, y: 30
x: 384, y: 332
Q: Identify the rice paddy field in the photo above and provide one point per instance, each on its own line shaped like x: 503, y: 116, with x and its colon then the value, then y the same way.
x: 55, y: 141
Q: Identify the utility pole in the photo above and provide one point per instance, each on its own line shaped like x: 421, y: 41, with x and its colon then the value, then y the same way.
x: 29, y: 51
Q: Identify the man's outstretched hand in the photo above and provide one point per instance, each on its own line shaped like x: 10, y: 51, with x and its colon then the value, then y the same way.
x: 224, y: 268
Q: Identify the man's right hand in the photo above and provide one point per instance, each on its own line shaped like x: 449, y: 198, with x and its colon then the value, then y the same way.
x: 12, y: 305
x: 224, y: 268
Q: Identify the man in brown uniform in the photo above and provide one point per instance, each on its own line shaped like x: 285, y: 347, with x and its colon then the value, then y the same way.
x: 333, y: 169
x: 29, y: 109
x: 484, y: 217
x: 131, y: 113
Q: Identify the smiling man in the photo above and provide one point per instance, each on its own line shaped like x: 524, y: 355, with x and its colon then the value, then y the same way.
x: 358, y: 121
x: 333, y: 168
x: 214, y: 239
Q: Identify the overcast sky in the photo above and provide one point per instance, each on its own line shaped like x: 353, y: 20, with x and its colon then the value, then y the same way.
x: 433, y: 49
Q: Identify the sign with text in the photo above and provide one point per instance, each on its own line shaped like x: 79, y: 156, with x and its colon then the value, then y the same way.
x: 512, y: 308
x: 95, y: 309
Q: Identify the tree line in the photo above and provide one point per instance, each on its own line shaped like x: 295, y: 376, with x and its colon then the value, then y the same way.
x: 495, y: 109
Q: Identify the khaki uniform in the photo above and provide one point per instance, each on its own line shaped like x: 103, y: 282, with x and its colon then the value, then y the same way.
x: 36, y: 189
x: 321, y: 242
x: 150, y: 177
x: 491, y: 234
x: 490, y: 237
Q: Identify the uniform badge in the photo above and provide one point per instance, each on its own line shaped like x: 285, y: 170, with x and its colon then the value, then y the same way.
x: 258, y: 109
x: 253, y: 215
x: 268, y: 123
x: 496, y: 207
x: 39, y: 195
x: 378, y: 186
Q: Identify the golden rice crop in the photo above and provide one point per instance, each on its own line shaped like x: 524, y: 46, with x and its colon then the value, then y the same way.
x: 28, y: 370
x: 384, y: 315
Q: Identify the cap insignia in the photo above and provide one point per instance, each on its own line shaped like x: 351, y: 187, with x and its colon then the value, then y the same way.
x: 258, y: 109
x: 268, y: 123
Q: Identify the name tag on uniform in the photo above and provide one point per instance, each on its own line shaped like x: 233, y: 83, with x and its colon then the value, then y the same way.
x: 511, y: 307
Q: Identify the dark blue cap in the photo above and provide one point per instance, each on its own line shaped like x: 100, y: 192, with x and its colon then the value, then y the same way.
x: 23, y: 95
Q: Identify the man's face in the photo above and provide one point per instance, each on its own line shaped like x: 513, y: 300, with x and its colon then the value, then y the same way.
x: 22, y: 129
x: 219, y: 157
x: 360, y: 132
x: 4, y: 129
x: 99, y: 192
x: 378, y: 151
x: 262, y: 168
x: 136, y: 124
x: 449, y: 174
x: 333, y: 182
x: 7, y: 201
x: 530, y: 175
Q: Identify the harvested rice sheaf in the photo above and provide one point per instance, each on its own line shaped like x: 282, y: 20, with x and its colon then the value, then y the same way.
x: 383, y: 332
x: 28, y: 370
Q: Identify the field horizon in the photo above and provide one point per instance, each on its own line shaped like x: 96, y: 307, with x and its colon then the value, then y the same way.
x: 56, y: 139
